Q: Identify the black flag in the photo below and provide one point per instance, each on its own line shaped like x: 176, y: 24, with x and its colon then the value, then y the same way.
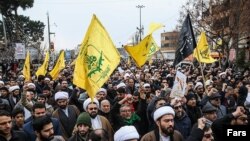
x: 186, y: 42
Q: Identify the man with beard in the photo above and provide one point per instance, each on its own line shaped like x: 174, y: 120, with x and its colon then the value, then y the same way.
x: 44, y: 131
x: 67, y: 114
x: 181, y: 120
x: 164, y: 118
x: 97, y: 121
x: 64, y: 87
x: 6, y: 133
x: 101, y: 94
x: 199, y: 90
x: 40, y: 84
x: 83, y: 125
x: 39, y: 110
x: 14, y: 96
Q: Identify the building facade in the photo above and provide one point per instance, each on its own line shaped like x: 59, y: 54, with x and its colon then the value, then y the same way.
x: 169, y: 42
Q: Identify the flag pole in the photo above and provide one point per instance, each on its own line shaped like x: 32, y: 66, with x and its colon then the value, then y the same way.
x: 202, y: 74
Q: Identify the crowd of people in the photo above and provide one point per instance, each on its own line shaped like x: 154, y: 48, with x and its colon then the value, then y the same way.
x: 134, y: 104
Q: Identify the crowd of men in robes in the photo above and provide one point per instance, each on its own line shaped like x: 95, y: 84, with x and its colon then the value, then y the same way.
x: 134, y: 104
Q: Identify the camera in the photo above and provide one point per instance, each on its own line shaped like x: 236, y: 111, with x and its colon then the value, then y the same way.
x: 207, y: 124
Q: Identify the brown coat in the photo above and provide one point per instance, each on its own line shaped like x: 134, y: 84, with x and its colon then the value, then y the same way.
x: 107, y: 126
x: 71, y: 122
x: 151, y: 136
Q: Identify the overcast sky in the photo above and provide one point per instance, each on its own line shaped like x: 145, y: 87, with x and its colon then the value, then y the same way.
x: 69, y: 19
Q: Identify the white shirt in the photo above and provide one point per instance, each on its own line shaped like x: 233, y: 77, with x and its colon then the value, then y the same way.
x: 163, y: 138
x: 96, y: 123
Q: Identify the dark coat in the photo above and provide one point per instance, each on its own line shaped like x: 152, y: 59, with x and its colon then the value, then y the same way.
x: 28, y: 128
x: 194, y: 113
x: 155, y: 136
x: 16, y: 136
x: 76, y: 137
x: 196, y: 135
x: 217, y: 126
x: 67, y: 123
x: 183, y: 125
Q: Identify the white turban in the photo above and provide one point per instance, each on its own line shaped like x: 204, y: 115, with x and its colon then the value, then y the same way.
x: 223, y: 73
x: 31, y: 85
x: 164, y: 110
x: 197, y: 85
x: 146, y: 85
x: 47, y: 79
x: 1, y: 82
x: 126, y: 75
x: 121, y: 85
x: 61, y: 95
x: 126, y: 133
x: 102, y: 90
x: 88, y: 101
x: 12, y: 88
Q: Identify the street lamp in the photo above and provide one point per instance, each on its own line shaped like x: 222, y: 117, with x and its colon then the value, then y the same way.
x: 140, y: 29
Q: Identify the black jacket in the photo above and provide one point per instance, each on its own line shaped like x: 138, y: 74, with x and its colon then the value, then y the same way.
x: 196, y: 135
x: 16, y: 136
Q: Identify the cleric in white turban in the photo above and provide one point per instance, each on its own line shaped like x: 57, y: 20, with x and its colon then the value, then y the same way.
x: 126, y: 133
x: 61, y: 95
x: 164, y: 110
x: 88, y: 101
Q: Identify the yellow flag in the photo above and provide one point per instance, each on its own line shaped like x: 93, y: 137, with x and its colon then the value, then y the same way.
x: 42, y: 70
x: 202, y: 51
x: 97, y: 59
x: 60, y: 64
x: 143, y: 51
x: 26, y: 67
x: 154, y: 26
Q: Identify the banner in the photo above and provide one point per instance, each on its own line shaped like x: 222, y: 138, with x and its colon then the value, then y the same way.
x: 20, y: 51
x: 180, y: 85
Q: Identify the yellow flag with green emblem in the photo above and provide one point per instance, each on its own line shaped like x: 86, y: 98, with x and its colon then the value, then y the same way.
x: 97, y: 59
x: 143, y: 51
x: 202, y: 51
x: 42, y: 70
x: 60, y: 64
x: 26, y: 67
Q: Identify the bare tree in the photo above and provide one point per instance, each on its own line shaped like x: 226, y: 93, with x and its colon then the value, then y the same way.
x: 227, y: 20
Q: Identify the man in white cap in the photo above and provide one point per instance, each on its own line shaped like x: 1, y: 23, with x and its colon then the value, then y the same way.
x: 14, y: 96
x: 199, y: 90
x: 97, y: 121
x: 101, y: 94
x: 164, y: 119
x: 67, y: 114
x: 126, y: 133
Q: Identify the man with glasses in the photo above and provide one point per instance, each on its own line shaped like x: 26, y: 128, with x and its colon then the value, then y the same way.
x: 182, y: 121
x: 97, y: 121
x: 215, y: 100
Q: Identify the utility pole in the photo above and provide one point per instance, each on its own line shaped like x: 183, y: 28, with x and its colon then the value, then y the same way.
x: 140, y: 28
x: 4, y: 32
x: 49, y: 33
